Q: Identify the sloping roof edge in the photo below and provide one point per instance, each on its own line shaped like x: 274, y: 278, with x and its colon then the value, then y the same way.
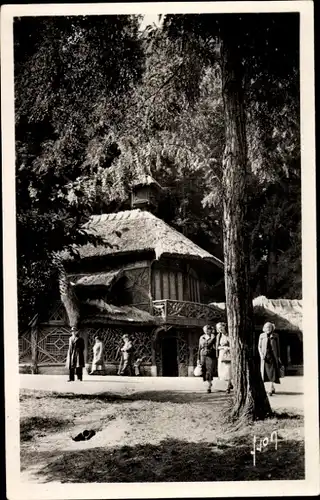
x: 285, y: 313
x: 107, y: 279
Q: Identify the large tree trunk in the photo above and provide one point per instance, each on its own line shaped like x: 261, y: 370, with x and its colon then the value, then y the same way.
x: 250, y: 399
x: 67, y: 294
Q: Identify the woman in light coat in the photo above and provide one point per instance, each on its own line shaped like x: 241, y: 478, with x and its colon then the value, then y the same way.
x: 125, y: 367
x: 224, y: 355
x: 269, y: 351
x: 98, y: 355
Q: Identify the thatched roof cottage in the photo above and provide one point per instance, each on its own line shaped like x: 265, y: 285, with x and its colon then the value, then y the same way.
x: 143, y: 278
x: 149, y: 280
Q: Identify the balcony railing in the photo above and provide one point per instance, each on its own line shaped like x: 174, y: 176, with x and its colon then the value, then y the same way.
x: 183, y: 312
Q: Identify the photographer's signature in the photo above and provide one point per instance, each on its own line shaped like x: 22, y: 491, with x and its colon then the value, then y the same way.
x: 260, y: 444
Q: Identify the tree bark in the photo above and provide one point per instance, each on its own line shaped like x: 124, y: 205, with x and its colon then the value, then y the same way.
x: 70, y: 303
x: 250, y: 399
x: 67, y: 294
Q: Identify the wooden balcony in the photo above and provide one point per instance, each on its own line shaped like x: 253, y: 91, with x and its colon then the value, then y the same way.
x: 178, y: 312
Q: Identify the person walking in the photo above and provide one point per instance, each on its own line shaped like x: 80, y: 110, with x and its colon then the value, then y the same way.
x: 224, y: 355
x: 125, y: 367
x: 137, y: 366
x: 207, y: 354
x: 269, y: 351
x: 75, y: 356
x: 98, y: 355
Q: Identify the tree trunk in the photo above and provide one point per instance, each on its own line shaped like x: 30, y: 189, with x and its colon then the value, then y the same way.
x: 250, y: 399
x: 70, y: 302
x: 67, y: 295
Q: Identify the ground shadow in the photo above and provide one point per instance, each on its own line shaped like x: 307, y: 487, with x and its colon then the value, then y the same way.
x: 285, y: 415
x: 36, y: 426
x: 155, y: 396
x: 284, y: 393
x: 175, y: 460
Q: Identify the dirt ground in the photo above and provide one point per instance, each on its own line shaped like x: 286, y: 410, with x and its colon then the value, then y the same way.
x: 150, y: 435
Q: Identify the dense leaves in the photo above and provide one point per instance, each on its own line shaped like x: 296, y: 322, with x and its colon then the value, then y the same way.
x: 99, y: 103
x: 70, y: 78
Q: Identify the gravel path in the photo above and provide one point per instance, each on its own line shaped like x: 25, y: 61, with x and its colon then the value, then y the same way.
x: 289, y: 393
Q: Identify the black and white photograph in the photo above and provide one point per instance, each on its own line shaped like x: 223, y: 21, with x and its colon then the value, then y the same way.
x: 159, y: 255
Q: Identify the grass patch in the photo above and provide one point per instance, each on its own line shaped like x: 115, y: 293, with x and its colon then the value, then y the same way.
x: 32, y: 427
x: 177, y: 461
x: 148, y: 437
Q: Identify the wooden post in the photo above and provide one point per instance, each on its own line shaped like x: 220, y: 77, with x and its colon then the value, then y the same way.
x: 289, y: 354
x: 34, y: 349
x: 190, y: 360
x: 86, y: 357
x: 153, y: 358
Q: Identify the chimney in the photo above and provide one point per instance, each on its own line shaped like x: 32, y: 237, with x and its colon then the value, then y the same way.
x: 145, y: 194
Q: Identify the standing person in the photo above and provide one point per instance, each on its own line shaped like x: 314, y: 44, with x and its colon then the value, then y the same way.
x: 137, y: 364
x: 207, y: 354
x: 269, y: 351
x: 98, y: 355
x: 126, y: 351
x: 75, y: 356
x: 224, y: 355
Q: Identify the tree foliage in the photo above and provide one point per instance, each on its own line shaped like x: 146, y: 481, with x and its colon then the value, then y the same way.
x: 69, y: 82
x: 98, y: 103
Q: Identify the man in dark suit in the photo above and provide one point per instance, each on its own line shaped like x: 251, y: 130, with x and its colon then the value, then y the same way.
x: 75, y: 357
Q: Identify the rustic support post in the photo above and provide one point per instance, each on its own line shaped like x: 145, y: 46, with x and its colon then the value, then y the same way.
x: 34, y: 349
x: 190, y: 357
x: 289, y: 354
x: 154, y: 372
x: 154, y: 340
x: 86, y: 356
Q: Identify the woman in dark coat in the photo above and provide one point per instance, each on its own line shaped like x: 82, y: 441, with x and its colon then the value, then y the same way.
x: 207, y: 354
x: 269, y: 351
x: 75, y: 356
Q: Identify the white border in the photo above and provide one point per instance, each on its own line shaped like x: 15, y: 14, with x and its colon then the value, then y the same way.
x: 309, y: 486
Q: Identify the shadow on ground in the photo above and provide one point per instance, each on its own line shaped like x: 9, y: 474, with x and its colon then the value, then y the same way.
x: 175, y: 460
x: 155, y: 396
x: 31, y: 427
x: 284, y: 393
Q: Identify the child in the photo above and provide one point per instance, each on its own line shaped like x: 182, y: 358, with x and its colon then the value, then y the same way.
x: 137, y: 366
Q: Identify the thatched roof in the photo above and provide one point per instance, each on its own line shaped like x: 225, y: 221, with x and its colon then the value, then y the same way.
x: 135, y: 231
x: 284, y: 313
x: 100, y: 310
x: 106, y: 279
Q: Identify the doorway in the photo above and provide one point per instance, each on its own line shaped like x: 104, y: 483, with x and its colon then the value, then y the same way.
x: 169, y: 357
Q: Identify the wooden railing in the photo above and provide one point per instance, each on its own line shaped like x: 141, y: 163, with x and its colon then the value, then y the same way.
x: 184, y: 312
